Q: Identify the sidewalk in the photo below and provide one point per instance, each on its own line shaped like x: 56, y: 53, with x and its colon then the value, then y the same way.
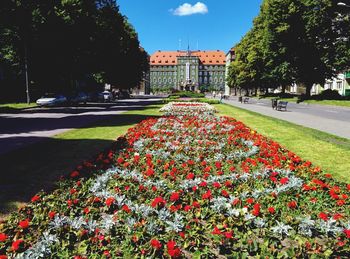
x: 330, y: 119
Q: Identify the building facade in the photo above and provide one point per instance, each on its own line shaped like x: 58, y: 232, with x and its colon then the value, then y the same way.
x: 340, y: 83
x: 187, y: 70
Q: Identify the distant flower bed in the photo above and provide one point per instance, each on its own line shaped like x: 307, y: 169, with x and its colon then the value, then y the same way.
x: 177, y: 108
x: 189, y: 184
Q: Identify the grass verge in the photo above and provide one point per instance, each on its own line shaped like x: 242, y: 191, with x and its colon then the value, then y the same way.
x: 13, y: 107
x: 329, y: 152
x: 342, y: 103
x: 37, y: 167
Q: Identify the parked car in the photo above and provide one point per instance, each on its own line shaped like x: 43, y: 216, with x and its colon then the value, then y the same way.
x: 105, y: 96
x: 80, y: 97
x: 51, y: 100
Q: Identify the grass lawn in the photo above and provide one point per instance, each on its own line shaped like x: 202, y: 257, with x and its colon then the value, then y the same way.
x: 343, y: 103
x: 329, y: 152
x: 13, y: 107
x: 33, y: 168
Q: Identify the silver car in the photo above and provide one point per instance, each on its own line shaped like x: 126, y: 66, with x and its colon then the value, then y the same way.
x: 51, y: 100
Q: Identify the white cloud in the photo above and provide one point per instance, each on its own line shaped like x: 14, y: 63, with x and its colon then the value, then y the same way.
x: 188, y: 9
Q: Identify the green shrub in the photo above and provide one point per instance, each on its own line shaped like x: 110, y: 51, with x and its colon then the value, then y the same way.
x: 202, y: 100
x: 188, y: 94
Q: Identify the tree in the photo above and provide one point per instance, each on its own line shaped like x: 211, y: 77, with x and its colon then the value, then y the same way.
x: 65, y: 41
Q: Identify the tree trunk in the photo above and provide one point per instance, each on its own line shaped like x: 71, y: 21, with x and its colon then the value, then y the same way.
x: 308, y: 87
x: 283, y: 89
x: 266, y: 90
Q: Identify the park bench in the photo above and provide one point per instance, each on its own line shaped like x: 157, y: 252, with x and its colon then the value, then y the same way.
x: 281, y: 105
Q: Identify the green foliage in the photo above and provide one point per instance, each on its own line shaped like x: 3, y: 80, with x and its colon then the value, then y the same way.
x: 188, y: 94
x: 64, y: 41
x: 303, y: 41
x: 201, y: 100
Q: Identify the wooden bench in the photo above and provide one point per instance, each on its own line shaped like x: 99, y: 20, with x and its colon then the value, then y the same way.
x: 245, y: 100
x: 281, y: 105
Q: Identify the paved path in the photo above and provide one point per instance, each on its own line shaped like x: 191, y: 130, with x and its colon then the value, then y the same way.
x: 32, y: 125
x: 331, y: 119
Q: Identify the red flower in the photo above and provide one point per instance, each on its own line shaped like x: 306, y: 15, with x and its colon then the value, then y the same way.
x: 126, y: 208
x: 218, y: 165
x: 190, y: 176
x: 203, y: 184
x: 174, y: 196
x: 156, y: 244
x: 52, y: 214
x: 217, y: 185
x: 74, y: 174
x: 35, y: 198
x: 16, y: 244
x: 120, y: 160
x: 292, y: 204
x: 196, y: 204
x: 228, y: 234
x: 24, y: 224
x: 284, y: 180
x: 206, y: 195
x: 109, y: 201
x: 250, y: 200
x: 271, y: 210
x: 340, y: 202
x: 3, y: 257
x: 216, y: 231
x: 347, y: 232
x: 3, y: 237
x: 323, y: 216
x: 337, y: 216
x: 158, y: 201
x: 173, y: 250
x: 187, y: 208
x: 224, y: 193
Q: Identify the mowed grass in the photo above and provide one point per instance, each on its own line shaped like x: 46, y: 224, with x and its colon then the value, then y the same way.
x: 343, y: 103
x: 330, y: 152
x: 37, y: 167
x: 13, y: 107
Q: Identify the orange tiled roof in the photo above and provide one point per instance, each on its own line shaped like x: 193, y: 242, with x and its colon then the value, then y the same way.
x: 164, y: 58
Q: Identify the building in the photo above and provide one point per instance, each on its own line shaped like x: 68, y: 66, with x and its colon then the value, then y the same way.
x: 230, y: 57
x: 187, y: 70
x: 340, y: 83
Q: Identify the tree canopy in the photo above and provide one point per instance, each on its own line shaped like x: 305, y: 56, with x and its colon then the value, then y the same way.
x: 293, y: 41
x: 65, y: 41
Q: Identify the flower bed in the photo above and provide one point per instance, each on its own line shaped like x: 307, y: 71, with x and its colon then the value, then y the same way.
x: 183, y: 108
x: 186, y: 185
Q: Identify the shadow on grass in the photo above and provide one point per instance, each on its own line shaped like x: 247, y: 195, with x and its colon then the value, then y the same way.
x: 37, y: 167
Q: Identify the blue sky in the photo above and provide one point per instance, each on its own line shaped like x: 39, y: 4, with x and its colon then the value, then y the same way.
x: 214, y: 24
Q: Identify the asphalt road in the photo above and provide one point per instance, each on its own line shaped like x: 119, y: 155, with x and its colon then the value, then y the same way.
x: 32, y: 125
x: 331, y: 119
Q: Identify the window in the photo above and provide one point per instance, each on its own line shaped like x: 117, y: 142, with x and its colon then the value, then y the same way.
x: 339, y: 84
